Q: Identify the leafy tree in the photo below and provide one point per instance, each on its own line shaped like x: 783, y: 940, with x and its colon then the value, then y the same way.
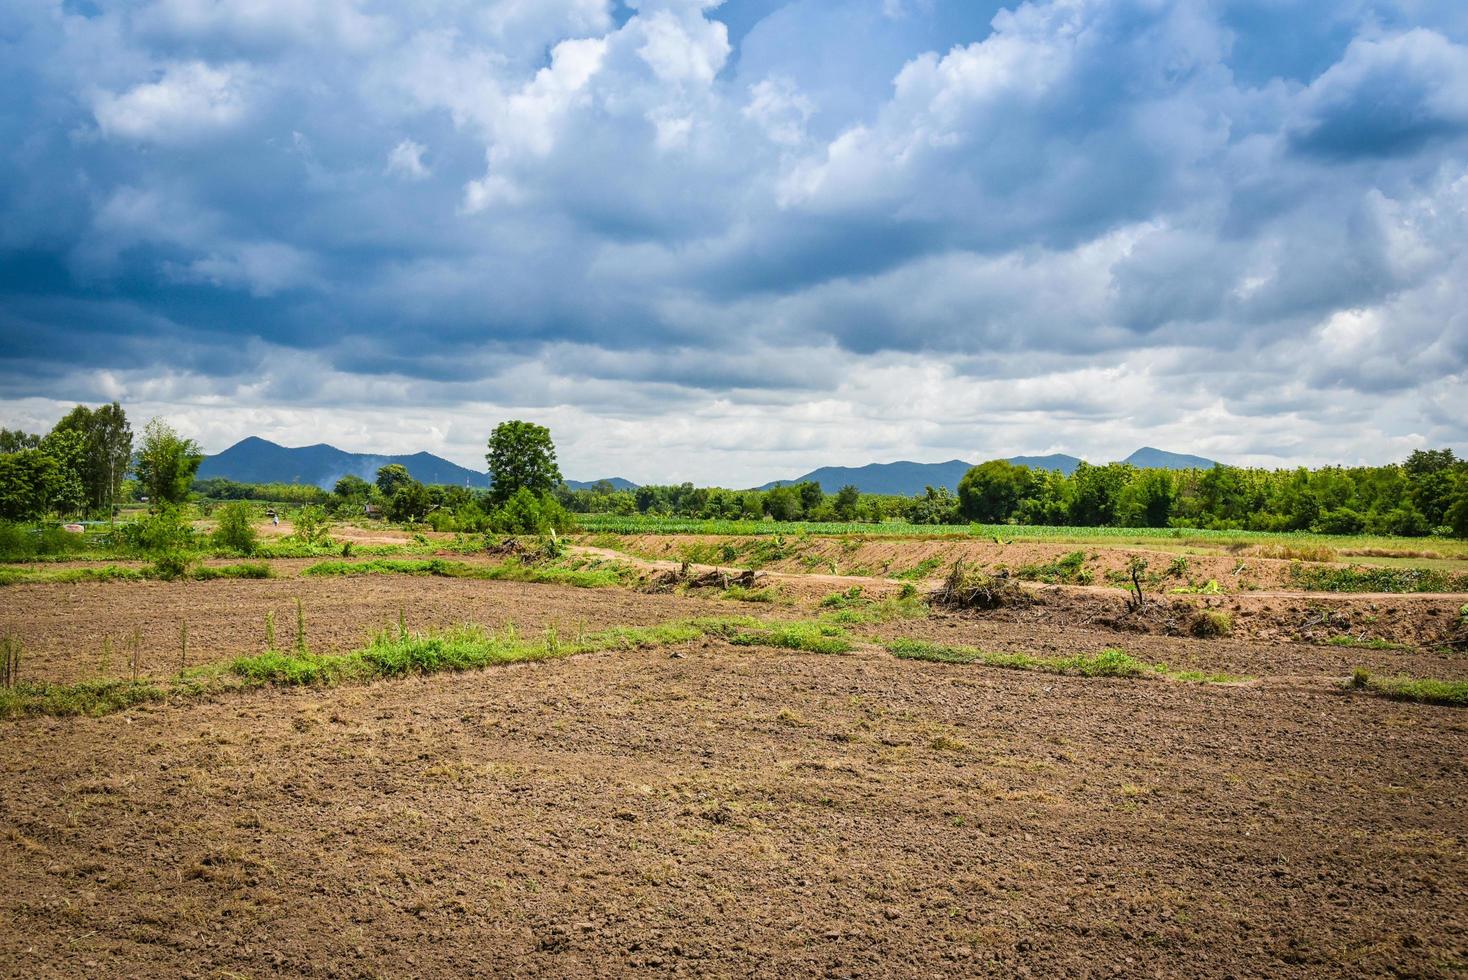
x: 409, y: 503
x: 848, y: 499
x: 521, y: 457
x: 391, y: 477
x: 108, y: 441
x: 14, y: 440
x: 782, y: 504
x: 353, y: 487
x: 811, y: 497
x: 991, y: 492
x: 1457, y: 509
x: 937, y: 505
x: 29, y: 480
x: 1097, y: 490
x: 166, y: 463
x: 1431, y: 477
x: 1146, y: 501
x: 68, y: 492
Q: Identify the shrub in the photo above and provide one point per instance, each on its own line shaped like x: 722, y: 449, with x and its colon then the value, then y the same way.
x: 525, y: 513
x: 235, y: 532
x: 312, y: 527
x: 168, y: 567
x: 166, y: 532
x: 1205, y: 623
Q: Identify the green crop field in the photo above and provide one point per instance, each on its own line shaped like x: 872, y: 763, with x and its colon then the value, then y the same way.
x: 1151, y: 537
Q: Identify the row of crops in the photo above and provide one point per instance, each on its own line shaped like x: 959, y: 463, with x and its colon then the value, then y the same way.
x: 656, y: 524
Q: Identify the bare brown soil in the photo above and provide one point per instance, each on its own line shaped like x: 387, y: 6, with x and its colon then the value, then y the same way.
x: 1418, y: 619
x: 888, y: 557
x: 62, y: 626
x: 725, y: 811
x: 735, y: 812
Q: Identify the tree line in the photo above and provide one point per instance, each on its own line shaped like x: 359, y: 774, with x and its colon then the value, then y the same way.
x: 1426, y: 494
x: 87, y: 464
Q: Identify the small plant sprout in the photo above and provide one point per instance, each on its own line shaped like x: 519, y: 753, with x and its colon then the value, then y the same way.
x: 9, y: 660
x: 104, y: 664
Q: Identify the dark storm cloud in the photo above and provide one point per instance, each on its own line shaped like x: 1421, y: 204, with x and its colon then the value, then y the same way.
x: 671, y: 196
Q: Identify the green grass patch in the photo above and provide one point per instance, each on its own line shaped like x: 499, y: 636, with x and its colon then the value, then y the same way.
x: 1211, y: 587
x: 1070, y: 568
x: 98, y: 697
x: 810, y: 637
x: 1107, y: 663
x: 740, y: 593
x: 921, y: 570
x: 852, y: 606
x: 1360, y: 578
x: 246, y: 569
x: 1418, y: 689
x: 1365, y: 644
x: 168, y: 571
x: 397, y: 652
x: 588, y: 574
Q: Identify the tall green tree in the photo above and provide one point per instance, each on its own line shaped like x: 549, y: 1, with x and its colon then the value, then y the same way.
x: 68, y: 491
x: 521, y: 457
x: 29, y: 481
x: 991, y: 492
x: 166, y: 463
x: 14, y: 440
x: 391, y: 478
x: 108, y: 442
x: 848, y: 499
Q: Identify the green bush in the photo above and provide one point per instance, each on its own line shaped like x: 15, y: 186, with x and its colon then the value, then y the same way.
x: 235, y: 531
x: 168, y: 567
x: 312, y: 527
x: 525, y: 513
x: 166, y: 532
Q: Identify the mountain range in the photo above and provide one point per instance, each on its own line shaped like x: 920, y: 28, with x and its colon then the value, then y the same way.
x: 909, y: 478
x: 256, y: 460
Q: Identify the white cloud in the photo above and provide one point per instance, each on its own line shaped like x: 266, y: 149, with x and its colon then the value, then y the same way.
x: 406, y: 160
x: 191, y: 100
x: 875, y: 229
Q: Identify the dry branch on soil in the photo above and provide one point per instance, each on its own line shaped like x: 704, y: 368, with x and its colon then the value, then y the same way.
x: 966, y: 588
x: 712, y: 579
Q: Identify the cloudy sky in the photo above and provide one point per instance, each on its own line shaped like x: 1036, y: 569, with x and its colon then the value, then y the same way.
x: 730, y: 242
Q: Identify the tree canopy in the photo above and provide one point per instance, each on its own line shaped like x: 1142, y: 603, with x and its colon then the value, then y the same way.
x: 521, y: 457
x: 166, y: 463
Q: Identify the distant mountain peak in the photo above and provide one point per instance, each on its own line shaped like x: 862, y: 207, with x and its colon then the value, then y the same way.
x: 1151, y: 458
x: 257, y: 460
